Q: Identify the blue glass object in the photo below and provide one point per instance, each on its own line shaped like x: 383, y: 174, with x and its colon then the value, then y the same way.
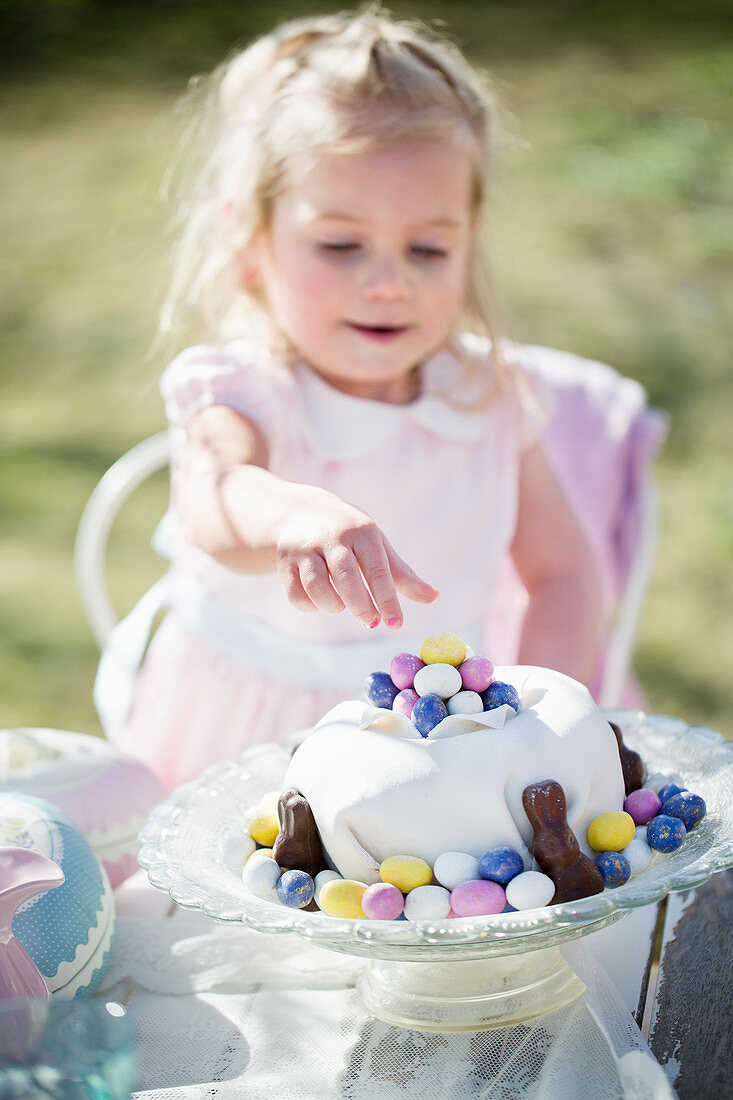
x: 67, y: 1050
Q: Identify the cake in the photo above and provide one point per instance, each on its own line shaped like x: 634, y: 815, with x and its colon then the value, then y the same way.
x: 454, y: 788
x: 377, y: 787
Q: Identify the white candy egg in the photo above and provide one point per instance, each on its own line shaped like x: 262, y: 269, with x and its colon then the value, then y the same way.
x: 529, y: 890
x: 261, y: 875
x: 236, y: 850
x: 452, y: 868
x: 656, y: 782
x: 427, y: 903
x: 269, y: 803
x: 640, y: 833
x: 438, y: 679
x: 320, y: 881
x: 639, y: 855
x: 465, y: 702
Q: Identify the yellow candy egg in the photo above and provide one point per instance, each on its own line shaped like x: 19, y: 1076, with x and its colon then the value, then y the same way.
x: 261, y: 852
x: 269, y: 801
x: 263, y: 827
x: 406, y: 872
x: 341, y: 897
x: 443, y: 648
x: 611, y: 832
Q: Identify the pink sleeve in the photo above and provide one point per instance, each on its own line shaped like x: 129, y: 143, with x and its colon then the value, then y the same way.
x: 532, y: 403
x: 205, y: 375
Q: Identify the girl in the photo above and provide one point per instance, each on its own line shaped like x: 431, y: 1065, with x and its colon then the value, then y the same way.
x: 354, y: 455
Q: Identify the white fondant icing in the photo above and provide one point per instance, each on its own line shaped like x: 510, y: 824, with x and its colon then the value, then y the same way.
x: 397, y: 725
x: 377, y: 788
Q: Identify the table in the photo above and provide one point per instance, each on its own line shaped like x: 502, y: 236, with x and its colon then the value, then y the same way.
x: 662, y: 959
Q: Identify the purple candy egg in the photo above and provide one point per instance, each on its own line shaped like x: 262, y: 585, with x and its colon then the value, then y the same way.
x: 476, y: 673
x: 477, y: 897
x: 403, y: 669
x: 382, y: 901
x: 405, y: 701
x: 642, y: 805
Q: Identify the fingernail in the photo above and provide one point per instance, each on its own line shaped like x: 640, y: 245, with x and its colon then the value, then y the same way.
x: 393, y: 622
x: 374, y: 623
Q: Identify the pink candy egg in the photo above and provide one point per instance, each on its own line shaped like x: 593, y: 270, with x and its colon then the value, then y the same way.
x: 382, y: 901
x: 403, y: 668
x: 642, y: 805
x: 405, y: 701
x: 476, y: 673
x: 477, y: 897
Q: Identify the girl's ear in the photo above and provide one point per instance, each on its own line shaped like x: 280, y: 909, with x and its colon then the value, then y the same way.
x: 248, y: 268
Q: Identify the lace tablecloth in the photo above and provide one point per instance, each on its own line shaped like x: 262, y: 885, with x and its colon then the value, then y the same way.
x: 228, y: 1013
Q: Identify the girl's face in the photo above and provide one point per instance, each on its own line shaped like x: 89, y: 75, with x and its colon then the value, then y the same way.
x: 365, y: 265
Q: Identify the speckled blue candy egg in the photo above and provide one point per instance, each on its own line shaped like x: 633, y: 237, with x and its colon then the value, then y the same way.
x: 669, y: 791
x: 69, y: 931
x: 501, y: 865
x: 380, y: 690
x: 296, y: 889
x: 499, y: 693
x: 689, y: 808
x: 665, y: 833
x: 428, y: 712
x: 615, y: 868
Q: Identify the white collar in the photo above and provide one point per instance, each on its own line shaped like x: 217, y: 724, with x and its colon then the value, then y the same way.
x: 340, y: 426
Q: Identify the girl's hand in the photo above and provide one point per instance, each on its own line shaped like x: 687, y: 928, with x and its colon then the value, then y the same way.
x: 330, y: 555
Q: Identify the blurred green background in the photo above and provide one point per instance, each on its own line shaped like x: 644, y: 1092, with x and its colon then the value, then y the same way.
x: 613, y: 231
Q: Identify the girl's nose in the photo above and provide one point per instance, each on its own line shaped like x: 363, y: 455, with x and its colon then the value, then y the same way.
x: 388, y: 280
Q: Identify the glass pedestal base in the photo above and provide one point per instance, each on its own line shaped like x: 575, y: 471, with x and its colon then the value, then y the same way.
x: 469, y: 995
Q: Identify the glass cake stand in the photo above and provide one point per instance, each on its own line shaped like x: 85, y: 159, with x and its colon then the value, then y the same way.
x: 453, y: 975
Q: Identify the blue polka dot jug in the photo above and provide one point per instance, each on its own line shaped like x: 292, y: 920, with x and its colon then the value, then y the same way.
x: 69, y: 931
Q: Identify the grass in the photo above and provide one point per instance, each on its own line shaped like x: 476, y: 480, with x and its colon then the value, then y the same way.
x: 613, y: 237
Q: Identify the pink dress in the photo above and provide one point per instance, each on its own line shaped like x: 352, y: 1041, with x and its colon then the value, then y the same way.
x: 233, y: 663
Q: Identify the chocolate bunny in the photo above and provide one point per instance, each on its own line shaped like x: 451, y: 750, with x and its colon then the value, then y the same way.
x: 631, y: 763
x: 555, y: 846
x: 298, y: 845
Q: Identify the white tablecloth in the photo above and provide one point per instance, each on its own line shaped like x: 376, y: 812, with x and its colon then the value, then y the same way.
x: 225, y: 1012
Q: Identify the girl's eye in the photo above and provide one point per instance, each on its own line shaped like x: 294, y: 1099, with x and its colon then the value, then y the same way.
x: 339, y: 246
x: 428, y: 252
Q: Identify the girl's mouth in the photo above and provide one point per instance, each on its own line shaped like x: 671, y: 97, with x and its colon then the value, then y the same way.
x: 382, y: 334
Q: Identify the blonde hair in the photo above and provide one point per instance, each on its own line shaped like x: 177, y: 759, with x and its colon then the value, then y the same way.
x: 345, y: 83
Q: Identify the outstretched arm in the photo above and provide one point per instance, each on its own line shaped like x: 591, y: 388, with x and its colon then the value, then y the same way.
x: 327, y: 554
x: 555, y: 563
